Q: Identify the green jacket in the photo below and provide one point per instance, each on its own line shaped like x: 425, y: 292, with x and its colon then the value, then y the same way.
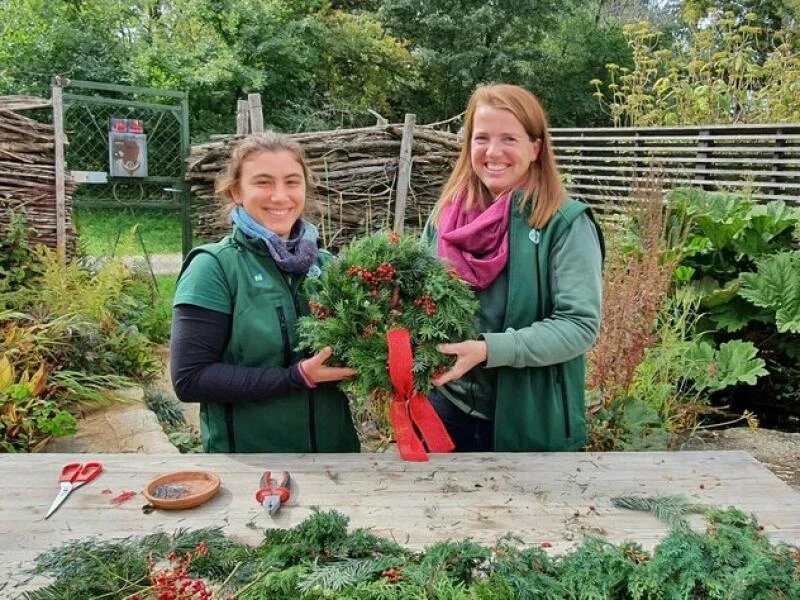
x: 538, y: 355
x: 265, y: 307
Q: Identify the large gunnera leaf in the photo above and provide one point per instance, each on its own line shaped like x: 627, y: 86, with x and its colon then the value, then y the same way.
x: 776, y: 285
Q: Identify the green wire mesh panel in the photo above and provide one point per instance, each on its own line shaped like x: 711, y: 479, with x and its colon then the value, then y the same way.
x: 86, y: 127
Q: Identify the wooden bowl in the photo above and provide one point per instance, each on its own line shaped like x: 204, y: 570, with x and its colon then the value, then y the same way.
x: 187, y: 488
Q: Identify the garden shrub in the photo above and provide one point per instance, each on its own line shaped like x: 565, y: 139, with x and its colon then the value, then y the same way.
x: 741, y: 259
x: 725, y: 71
x: 656, y: 365
x: 69, y: 337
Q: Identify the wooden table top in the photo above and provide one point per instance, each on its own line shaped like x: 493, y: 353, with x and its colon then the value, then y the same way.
x: 554, y: 498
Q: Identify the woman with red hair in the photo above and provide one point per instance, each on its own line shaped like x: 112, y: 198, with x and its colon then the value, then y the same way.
x: 534, y: 258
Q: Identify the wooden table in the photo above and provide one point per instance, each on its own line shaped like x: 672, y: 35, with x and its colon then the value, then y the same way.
x: 554, y: 498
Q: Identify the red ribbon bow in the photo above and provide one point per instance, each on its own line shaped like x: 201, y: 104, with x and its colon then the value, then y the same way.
x: 409, y: 404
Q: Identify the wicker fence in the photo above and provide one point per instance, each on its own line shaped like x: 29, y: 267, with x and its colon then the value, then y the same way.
x: 358, y: 169
x: 358, y: 172
x: 28, y: 175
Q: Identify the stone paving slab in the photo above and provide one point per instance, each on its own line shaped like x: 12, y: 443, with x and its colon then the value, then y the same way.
x: 125, y: 427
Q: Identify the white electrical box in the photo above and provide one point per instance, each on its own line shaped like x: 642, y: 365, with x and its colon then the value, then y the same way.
x: 127, y: 148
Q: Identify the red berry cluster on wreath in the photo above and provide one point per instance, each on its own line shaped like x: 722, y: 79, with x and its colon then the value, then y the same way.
x: 384, y: 273
x: 427, y: 302
x: 319, y: 311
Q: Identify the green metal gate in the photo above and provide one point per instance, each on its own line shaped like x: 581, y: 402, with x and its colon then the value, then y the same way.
x: 162, y: 116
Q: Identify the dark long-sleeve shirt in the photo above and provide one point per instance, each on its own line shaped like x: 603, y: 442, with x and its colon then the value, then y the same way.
x: 199, y: 337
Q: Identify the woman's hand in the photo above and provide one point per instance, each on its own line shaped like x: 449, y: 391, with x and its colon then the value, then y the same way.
x: 468, y: 354
x: 318, y: 372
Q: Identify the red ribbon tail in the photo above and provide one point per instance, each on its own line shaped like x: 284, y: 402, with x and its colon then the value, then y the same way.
x: 429, y: 424
x: 408, y: 444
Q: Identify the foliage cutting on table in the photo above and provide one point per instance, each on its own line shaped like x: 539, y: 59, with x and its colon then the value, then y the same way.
x: 320, y: 558
x: 377, y: 284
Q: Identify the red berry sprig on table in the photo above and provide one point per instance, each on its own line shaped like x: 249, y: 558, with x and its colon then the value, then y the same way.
x: 394, y: 575
x: 174, y: 582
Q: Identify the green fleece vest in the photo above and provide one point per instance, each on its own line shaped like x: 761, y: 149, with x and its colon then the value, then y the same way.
x: 265, y: 311
x: 542, y: 408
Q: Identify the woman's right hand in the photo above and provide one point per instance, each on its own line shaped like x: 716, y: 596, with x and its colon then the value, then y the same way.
x: 318, y: 372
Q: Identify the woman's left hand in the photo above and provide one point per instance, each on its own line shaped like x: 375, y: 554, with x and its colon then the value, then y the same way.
x: 468, y: 354
x: 318, y: 372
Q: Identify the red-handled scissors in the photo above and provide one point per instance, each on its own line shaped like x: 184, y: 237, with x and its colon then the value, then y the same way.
x: 73, y: 476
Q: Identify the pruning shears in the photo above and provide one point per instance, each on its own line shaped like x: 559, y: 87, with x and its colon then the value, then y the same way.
x: 271, y: 496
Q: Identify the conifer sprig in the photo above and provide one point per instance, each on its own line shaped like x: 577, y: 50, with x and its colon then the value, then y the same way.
x: 670, y: 509
x: 323, y: 558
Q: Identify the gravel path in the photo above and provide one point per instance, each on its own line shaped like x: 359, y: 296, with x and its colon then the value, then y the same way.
x: 162, y: 264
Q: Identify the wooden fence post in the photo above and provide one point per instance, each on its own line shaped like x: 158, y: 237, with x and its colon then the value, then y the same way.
x: 703, y: 152
x: 380, y: 121
x: 780, y: 143
x: 242, y: 117
x: 60, y: 191
x: 256, y: 116
x: 404, y: 172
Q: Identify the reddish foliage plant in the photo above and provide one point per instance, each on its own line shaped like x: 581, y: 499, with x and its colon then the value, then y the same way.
x: 636, y: 285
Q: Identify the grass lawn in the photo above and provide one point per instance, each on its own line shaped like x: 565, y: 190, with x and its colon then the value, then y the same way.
x: 99, y: 228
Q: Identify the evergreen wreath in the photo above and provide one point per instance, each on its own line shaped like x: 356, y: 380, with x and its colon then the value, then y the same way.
x: 376, y: 284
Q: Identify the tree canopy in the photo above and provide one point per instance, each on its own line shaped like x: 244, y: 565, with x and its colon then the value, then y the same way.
x: 325, y: 63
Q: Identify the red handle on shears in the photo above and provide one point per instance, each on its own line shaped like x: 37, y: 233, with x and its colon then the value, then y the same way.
x: 282, y: 489
x: 80, y: 472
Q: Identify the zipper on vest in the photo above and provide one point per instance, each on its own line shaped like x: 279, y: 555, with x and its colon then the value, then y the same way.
x: 564, y: 403
x: 287, y: 348
x: 229, y: 427
x: 287, y: 358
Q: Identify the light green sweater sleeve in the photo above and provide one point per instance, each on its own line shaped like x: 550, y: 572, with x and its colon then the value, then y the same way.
x: 576, y: 283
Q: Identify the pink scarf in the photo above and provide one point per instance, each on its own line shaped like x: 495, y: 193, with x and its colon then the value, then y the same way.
x: 475, y: 242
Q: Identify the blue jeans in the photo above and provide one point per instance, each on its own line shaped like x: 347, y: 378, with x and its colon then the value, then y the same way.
x: 469, y: 434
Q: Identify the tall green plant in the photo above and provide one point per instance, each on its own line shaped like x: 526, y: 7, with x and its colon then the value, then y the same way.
x: 19, y: 264
x: 732, y: 253
x: 725, y: 71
